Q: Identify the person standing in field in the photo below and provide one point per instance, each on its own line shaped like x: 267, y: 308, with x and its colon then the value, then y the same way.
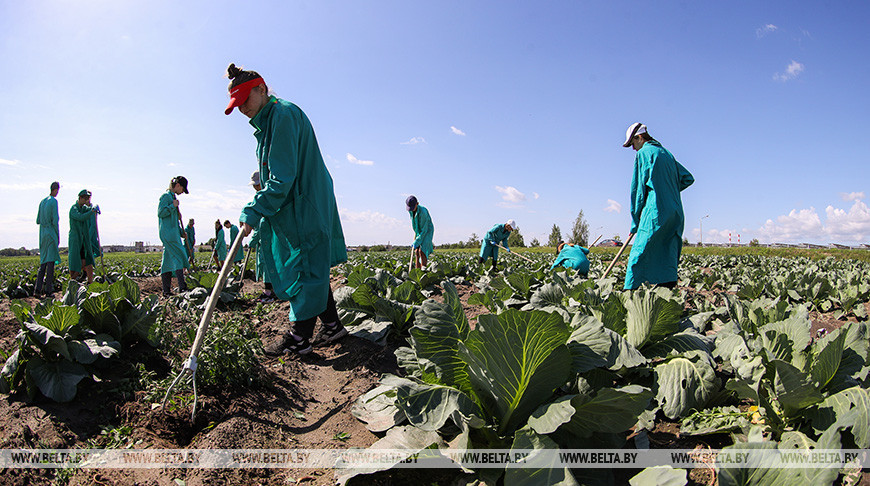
x: 220, y: 244
x: 573, y: 256
x: 498, y: 235
x: 421, y: 222
x: 81, y: 251
x: 268, y: 295
x: 48, y: 220
x: 174, y: 255
x: 190, y: 242
x: 234, y: 231
x: 656, y: 211
x: 295, y: 212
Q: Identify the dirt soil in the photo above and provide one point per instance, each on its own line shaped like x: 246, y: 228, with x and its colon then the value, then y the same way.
x: 305, y: 403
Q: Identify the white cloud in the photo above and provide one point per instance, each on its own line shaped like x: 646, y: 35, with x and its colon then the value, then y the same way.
x: 853, y: 225
x: 764, y: 30
x: 722, y: 236
x: 354, y: 160
x: 414, y: 141
x: 536, y: 195
x: 510, y: 194
x: 457, y: 131
x: 172, y: 164
x: 229, y: 200
x: 852, y: 196
x: 23, y: 187
x: 9, y: 162
x: 805, y: 225
x: 613, y: 206
x: 370, y: 219
x: 791, y: 71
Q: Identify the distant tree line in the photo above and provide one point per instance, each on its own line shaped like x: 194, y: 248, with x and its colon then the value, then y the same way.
x: 13, y: 252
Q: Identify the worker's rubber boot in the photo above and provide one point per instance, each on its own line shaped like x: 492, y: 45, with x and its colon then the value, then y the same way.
x: 182, y: 285
x: 166, y: 280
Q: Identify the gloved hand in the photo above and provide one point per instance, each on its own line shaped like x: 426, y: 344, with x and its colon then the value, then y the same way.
x: 508, y: 249
x: 97, y: 209
x: 415, y: 246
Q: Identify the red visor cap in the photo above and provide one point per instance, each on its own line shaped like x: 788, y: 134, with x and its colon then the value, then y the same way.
x: 239, y: 94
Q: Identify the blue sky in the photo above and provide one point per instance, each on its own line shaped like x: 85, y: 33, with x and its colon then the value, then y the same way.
x: 485, y: 111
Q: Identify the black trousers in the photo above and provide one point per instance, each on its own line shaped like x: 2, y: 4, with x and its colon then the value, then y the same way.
x: 305, y: 328
x: 166, y: 280
x: 45, y: 278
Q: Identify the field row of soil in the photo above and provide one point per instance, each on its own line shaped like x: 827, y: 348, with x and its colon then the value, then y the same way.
x: 302, y: 403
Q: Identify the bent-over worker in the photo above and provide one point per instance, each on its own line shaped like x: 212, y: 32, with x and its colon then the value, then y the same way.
x: 656, y: 211
x: 421, y: 223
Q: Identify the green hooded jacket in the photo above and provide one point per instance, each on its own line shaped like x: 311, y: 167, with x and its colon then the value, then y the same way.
x: 48, y: 220
x: 423, y: 229
x: 80, y: 240
x: 656, y: 216
x: 174, y: 254
x: 295, y: 212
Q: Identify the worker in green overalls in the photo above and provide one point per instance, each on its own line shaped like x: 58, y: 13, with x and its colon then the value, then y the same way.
x: 49, y: 238
x: 174, y: 256
x: 190, y: 242
x: 220, y: 244
x: 295, y: 212
x: 81, y: 250
x: 421, y: 223
x: 497, y: 235
x: 656, y: 211
x: 268, y: 294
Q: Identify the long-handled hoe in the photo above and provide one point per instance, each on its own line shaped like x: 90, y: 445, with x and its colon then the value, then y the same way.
x: 411, y: 263
x: 513, y: 253
x: 619, y: 254
x: 596, y: 241
x: 97, y: 230
x: 245, y: 264
x: 189, y: 367
x: 192, y: 259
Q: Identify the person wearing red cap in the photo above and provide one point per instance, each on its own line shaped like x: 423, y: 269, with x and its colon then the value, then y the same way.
x: 174, y: 256
x: 295, y: 212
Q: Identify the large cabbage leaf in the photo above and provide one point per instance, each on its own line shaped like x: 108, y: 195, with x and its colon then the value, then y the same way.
x: 515, y: 362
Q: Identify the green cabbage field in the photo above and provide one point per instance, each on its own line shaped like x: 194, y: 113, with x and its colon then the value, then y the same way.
x: 750, y: 351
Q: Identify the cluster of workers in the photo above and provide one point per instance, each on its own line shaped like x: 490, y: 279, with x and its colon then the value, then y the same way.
x: 295, y: 227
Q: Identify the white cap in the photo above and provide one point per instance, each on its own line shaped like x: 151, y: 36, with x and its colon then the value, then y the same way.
x: 633, y: 130
x: 511, y: 223
x: 255, y: 178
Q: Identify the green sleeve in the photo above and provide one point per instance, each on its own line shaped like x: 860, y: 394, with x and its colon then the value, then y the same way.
x: 164, y: 208
x: 77, y: 215
x: 685, y: 176
x: 638, y: 189
x: 282, y: 163
x: 55, y: 216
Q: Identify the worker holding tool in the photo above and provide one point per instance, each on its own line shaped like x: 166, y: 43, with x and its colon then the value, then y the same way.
x: 174, y: 256
x: 421, y: 222
x: 268, y: 294
x: 234, y: 231
x: 81, y: 243
x: 49, y: 238
x: 295, y: 212
x: 220, y: 244
x: 573, y: 256
x: 190, y: 241
x: 495, y: 237
x: 656, y: 211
